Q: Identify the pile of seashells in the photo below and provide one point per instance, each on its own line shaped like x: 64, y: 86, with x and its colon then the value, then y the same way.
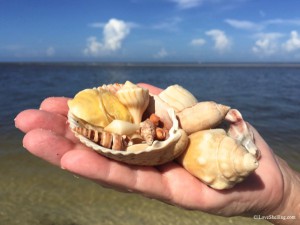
x: 126, y: 123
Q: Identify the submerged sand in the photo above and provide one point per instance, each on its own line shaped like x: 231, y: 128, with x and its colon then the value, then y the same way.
x: 34, y: 192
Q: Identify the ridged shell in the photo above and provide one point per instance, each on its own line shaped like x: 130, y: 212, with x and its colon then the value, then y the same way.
x: 177, y: 97
x: 135, y: 98
x: 217, y: 159
x: 158, y: 153
x: 103, y: 138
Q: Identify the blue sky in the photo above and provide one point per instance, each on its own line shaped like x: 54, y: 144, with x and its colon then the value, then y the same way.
x: 150, y: 30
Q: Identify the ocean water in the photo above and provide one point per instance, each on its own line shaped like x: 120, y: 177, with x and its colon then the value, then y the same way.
x: 34, y: 192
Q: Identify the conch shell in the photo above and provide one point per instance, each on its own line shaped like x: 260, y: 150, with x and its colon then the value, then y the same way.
x: 217, y: 159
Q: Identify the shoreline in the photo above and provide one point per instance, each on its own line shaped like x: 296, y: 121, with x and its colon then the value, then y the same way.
x: 155, y: 64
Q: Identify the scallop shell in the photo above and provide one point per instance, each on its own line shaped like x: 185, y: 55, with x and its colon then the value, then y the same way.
x: 217, y: 159
x: 158, y: 153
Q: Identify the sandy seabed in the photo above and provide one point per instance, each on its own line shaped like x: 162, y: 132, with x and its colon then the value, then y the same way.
x: 34, y: 192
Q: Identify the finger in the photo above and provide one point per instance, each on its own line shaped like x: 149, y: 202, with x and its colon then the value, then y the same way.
x: 32, y: 119
x: 154, y: 90
x: 55, y: 105
x: 267, y: 158
x: 48, y: 145
x: 268, y: 169
x: 260, y: 142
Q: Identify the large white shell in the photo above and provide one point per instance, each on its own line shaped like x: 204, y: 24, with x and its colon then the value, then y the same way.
x: 159, y: 152
x: 217, y: 159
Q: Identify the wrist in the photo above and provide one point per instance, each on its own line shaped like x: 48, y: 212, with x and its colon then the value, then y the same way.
x: 288, y: 211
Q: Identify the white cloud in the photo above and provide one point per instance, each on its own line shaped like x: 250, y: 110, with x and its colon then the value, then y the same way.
x: 293, y: 43
x: 249, y: 25
x: 93, y: 47
x: 243, y: 24
x: 186, y: 4
x: 114, y: 32
x: 222, y: 43
x: 222, y: 4
x: 162, y: 53
x: 170, y: 24
x: 50, y: 51
x: 282, y: 22
x: 198, y: 42
x: 267, y: 43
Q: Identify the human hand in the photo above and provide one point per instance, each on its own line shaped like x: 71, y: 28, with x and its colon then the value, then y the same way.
x: 49, y: 137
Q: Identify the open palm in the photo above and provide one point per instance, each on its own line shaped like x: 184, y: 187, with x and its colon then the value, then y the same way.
x: 49, y: 137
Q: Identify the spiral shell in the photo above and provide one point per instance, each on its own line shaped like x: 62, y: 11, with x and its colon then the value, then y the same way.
x: 177, y: 97
x: 217, y: 159
x: 192, y: 115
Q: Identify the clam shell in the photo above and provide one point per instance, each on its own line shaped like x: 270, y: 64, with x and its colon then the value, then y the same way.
x: 158, y: 153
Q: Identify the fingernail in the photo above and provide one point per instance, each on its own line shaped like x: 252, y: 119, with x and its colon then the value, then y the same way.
x: 15, y: 121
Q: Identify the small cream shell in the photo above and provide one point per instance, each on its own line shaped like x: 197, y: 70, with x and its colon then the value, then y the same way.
x: 177, y: 97
x: 202, y: 116
x: 121, y: 127
x: 135, y: 98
